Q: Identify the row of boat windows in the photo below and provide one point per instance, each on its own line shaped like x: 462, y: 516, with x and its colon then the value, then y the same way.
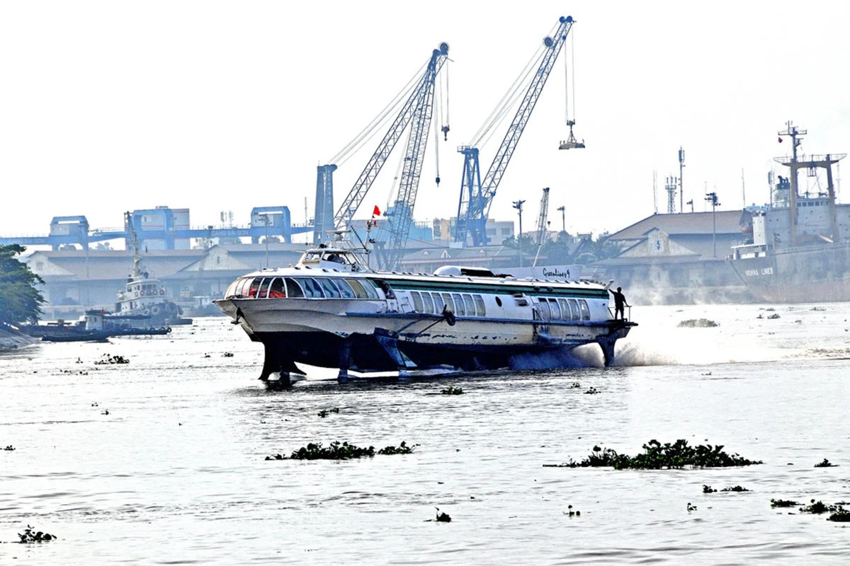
x: 563, y: 309
x: 302, y: 287
x: 461, y: 304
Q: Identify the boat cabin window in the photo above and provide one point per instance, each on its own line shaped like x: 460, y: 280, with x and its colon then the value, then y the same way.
x: 574, y: 312
x: 565, y: 309
x: 345, y: 288
x: 469, y: 304
x: 448, y: 302
x: 556, y: 311
x: 479, y: 305
x: 543, y: 308
x: 231, y: 290
x: 359, y: 290
x: 372, y: 289
x: 293, y: 289
x: 264, y: 288
x: 255, y: 286
x: 459, y: 308
x: 585, y: 311
x: 427, y: 302
x: 439, y: 302
x: 242, y: 289
x: 312, y: 290
x: 277, y: 290
x: 331, y: 292
x: 337, y: 257
x: 417, y: 301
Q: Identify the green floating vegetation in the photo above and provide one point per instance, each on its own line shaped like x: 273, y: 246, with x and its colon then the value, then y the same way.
x: 110, y: 360
x: 708, y: 489
x: 698, y: 323
x: 825, y: 464
x: 841, y: 515
x: 450, y: 390
x: 575, y: 385
x: 325, y: 412
x: 592, y: 391
x: 30, y: 535
x: 818, y: 507
x: 736, y: 488
x: 657, y: 456
x: 402, y: 448
x: 342, y: 451
x: 783, y: 503
x: 9, y: 448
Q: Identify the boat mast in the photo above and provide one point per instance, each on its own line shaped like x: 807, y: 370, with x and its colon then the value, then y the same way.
x: 128, y: 221
x: 795, y: 135
x: 812, y: 163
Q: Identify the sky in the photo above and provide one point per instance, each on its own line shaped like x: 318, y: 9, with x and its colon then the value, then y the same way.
x: 222, y: 106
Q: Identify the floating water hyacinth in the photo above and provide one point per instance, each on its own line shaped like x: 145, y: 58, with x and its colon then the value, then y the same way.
x: 698, y: 323
x: 110, y: 360
x: 343, y: 451
x: 841, y: 515
x: 30, y: 535
x: 657, y: 456
x: 452, y: 391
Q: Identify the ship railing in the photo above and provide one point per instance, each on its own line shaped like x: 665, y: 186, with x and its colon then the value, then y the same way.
x: 627, y: 313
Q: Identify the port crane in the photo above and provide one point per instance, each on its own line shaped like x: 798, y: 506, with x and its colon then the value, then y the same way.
x: 416, y: 113
x: 543, y: 220
x: 476, y: 196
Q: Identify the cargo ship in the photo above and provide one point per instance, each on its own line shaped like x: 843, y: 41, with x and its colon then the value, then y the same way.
x: 801, y: 241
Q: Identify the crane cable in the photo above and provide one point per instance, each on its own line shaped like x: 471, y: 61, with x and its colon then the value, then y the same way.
x: 567, y: 69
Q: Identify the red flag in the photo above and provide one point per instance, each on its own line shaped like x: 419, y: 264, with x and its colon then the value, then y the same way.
x: 377, y: 211
x: 780, y: 140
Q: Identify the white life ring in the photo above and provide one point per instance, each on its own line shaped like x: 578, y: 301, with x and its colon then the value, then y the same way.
x: 155, y: 310
x: 137, y: 293
x: 146, y: 312
x: 162, y: 291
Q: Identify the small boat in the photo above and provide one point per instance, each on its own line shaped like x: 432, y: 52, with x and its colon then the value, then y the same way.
x: 144, y: 301
x: 95, y: 326
x: 332, y: 310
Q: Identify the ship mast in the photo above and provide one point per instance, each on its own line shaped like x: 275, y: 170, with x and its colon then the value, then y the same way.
x: 128, y: 221
x: 795, y: 135
x: 812, y: 163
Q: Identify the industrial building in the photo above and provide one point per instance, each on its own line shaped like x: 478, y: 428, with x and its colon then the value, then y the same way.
x: 680, y: 258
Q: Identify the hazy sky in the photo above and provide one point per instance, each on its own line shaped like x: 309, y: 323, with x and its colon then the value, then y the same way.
x: 113, y: 106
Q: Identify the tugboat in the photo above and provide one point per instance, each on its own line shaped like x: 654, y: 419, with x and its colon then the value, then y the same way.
x: 144, y: 296
x: 332, y: 310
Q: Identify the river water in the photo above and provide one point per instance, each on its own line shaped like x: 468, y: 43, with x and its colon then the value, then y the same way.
x: 162, y: 460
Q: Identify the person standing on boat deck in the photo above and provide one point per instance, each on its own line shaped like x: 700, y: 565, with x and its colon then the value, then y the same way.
x: 620, y: 303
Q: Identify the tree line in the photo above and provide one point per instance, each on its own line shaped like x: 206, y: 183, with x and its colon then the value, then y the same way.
x: 20, y: 299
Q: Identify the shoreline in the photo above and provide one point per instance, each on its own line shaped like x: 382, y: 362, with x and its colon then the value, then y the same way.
x: 11, y: 339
